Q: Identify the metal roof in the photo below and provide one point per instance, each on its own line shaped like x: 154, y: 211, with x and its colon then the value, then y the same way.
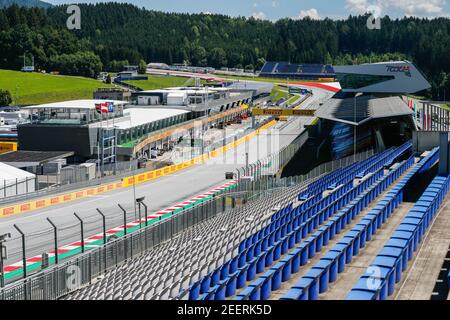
x: 399, y: 77
x: 74, y: 104
x: 367, y: 108
x: 8, y: 172
x: 134, y: 117
x: 23, y: 158
x: 188, y: 90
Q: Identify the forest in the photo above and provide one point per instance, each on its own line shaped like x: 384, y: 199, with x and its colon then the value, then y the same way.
x: 114, y: 34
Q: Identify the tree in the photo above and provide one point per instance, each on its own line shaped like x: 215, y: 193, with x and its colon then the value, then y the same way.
x: 142, y: 67
x: 235, y: 59
x: 85, y: 64
x: 5, y: 98
x: 217, y: 58
x: 249, y: 67
x: 199, y: 56
x: 117, y: 66
x: 260, y: 63
x: 203, y: 39
x: 443, y: 85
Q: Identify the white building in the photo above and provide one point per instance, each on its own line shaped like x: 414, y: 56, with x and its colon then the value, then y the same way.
x: 14, y: 181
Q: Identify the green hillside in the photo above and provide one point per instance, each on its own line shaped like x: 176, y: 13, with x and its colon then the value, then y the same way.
x: 25, y: 3
x: 37, y: 88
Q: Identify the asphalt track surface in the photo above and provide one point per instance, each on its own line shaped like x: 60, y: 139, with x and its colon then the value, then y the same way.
x: 159, y: 194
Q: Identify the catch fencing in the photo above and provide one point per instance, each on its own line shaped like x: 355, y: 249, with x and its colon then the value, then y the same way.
x: 75, y: 272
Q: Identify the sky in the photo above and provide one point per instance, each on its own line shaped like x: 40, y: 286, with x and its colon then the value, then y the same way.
x: 296, y: 9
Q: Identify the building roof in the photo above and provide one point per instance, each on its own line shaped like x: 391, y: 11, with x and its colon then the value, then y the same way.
x: 23, y: 158
x: 8, y: 172
x: 179, y: 94
x: 287, y: 68
x: 394, y: 77
x: 188, y: 90
x: 74, y: 104
x: 134, y: 117
x: 367, y: 108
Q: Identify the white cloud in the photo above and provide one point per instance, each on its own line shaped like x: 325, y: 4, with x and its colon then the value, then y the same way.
x: 275, y: 4
x: 312, y: 13
x: 259, y: 15
x: 405, y: 7
x: 357, y: 6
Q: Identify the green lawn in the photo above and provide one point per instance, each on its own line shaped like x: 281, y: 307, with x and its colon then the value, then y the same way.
x: 159, y: 82
x: 38, y: 88
x: 417, y: 97
x: 445, y: 106
x: 278, y: 93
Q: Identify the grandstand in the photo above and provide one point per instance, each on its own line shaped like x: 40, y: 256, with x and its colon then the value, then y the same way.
x: 299, y: 243
x: 286, y: 70
x: 370, y: 226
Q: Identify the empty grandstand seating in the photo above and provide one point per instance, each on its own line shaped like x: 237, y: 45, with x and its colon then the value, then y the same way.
x: 386, y: 270
x: 329, y: 69
x: 326, y: 270
x: 164, y: 271
x: 266, y: 252
x: 268, y: 67
x: 292, y: 70
x: 248, y: 253
x: 330, y: 265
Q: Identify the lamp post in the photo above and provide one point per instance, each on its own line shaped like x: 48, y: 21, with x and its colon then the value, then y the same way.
x: 3, y: 239
x: 139, y: 201
x: 355, y: 124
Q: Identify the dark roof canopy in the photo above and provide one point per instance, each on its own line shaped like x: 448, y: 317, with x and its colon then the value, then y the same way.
x: 23, y: 158
x: 367, y: 107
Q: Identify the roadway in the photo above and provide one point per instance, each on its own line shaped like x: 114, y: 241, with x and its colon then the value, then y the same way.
x: 161, y: 193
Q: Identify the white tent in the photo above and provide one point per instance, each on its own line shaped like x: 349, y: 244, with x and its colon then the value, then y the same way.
x: 14, y: 181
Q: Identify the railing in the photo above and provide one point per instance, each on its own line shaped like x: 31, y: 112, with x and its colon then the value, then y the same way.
x: 274, y: 162
x: 127, y: 85
x: 17, y: 187
x: 78, y: 271
x: 74, y: 273
x: 121, y: 172
x: 432, y: 117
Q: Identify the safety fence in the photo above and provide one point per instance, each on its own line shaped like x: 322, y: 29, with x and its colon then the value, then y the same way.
x: 51, y: 184
x: 274, y: 162
x: 52, y: 282
x: 18, y: 186
x: 228, y: 137
x: 262, y: 180
x: 127, y: 85
x: 123, y: 178
x: 40, y: 240
x: 73, y: 273
x: 47, y: 185
x: 432, y: 117
x: 143, y: 177
x: 89, y: 171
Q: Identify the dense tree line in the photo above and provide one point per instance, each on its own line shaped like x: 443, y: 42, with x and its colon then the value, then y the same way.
x: 115, y: 34
x: 5, y: 98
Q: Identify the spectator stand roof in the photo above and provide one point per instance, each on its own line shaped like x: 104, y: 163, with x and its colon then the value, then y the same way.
x: 367, y: 108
